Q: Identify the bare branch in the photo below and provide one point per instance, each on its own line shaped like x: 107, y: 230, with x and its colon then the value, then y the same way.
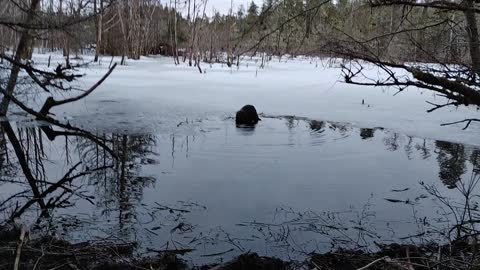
x: 468, y: 121
x: 51, y: 102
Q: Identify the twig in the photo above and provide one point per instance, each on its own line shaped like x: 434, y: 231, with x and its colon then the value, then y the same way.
x: 374, y: 262
x: 409, y: 261
x: 39, y: 258
x: 172, y: 251
x: 316, y: 266
x: 469, y: 121
x: 162, y: 207
x: 73, y: 266
x: 438, y: 106
x: 439, y: 256
x: 218, y: 254
x: 59, y: 266
x: 19, y: 248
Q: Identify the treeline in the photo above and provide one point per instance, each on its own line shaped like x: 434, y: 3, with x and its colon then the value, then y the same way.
x: 186, y: 30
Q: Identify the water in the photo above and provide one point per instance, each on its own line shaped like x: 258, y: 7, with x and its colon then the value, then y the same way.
x: 286, y: 188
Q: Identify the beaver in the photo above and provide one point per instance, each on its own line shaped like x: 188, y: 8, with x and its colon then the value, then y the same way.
x: 247, y: 116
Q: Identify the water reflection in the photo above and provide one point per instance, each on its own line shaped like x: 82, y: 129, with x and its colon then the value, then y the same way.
x: 120, y: 188
x: 143, y: 184
x: 7, y: 168
x: 392, y: 141
x: 475, y: 159
x: 451, y: 160
x: 291, y: 122
x: 246, y: 131
x: 342, y: 129
x: 423, y: 149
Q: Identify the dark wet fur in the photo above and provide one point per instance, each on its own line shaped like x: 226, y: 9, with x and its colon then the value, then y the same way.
x: 247, y: 116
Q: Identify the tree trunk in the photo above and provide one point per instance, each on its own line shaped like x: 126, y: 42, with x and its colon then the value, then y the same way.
x: 124, y: 33
x: 453, y: 51
x: 99, y: 28
x: 192, y: 41
x: 134, y: 32
x: 230, y: 28
x: 22, y: 49
x: 472, y: 32
x: 175, y: 39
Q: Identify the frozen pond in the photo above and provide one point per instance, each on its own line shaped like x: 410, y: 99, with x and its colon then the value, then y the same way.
x: 174, y: 172
x: 288, y: 187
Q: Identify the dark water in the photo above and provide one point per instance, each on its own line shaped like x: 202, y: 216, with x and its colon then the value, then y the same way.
x: 286, y: 188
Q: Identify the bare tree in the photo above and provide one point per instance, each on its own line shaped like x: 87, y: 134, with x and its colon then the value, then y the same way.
x: 458, y: 82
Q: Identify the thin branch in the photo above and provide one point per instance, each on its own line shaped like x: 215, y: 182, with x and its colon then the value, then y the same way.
x: 374, y: 262
x: 408, y: 30
x: 439, y: 106
x: 50, y: 102
x: 441, y: 4
x: 469, y: 121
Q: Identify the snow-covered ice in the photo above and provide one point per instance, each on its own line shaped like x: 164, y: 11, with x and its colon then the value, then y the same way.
x: 155, y: 93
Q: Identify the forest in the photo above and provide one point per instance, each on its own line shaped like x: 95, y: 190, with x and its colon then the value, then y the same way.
x: 186, y: 30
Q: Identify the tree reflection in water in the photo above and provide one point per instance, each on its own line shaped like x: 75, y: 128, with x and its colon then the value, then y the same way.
x: 7, y: 168
x: 451, y: 160
x: 45, y: 170
x: 119, y: 189
x: 40, y: 190
x: 57, y: 173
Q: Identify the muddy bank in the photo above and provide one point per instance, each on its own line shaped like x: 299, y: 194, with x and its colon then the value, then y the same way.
x: 19, y: 250
x: 455, y: 255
